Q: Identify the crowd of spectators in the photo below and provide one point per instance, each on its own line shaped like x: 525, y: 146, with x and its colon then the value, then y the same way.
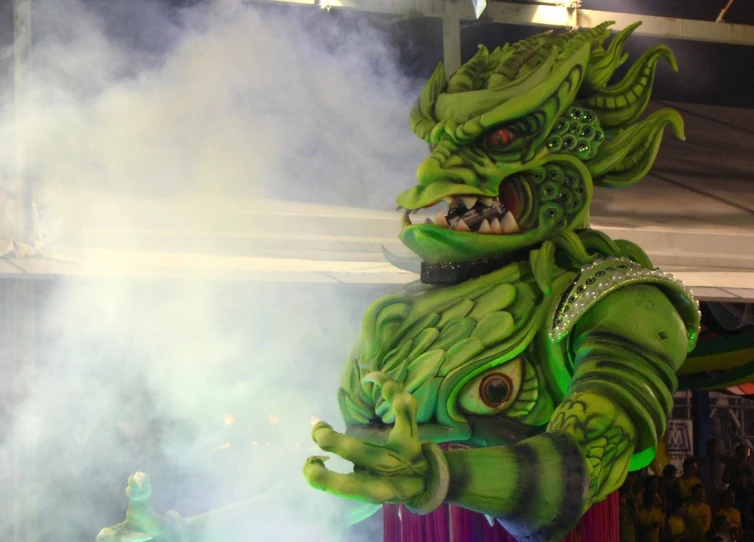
x: 711, y: 501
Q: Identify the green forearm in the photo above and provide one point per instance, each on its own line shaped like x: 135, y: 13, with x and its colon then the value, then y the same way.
x: 536, y: 488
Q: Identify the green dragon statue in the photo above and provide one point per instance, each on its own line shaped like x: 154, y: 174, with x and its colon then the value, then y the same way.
x: 544, y: 350
x: 547, y: 348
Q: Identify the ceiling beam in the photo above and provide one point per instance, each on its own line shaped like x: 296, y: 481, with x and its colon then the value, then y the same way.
x: 665, y: 27
x: 547, y: 15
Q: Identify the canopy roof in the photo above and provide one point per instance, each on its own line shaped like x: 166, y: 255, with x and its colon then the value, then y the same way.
x: 694, y: 215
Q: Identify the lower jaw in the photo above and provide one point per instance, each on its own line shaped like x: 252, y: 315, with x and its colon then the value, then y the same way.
x: 434, y: 244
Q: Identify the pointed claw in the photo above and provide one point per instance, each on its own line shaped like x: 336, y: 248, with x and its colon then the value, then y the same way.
x: 320, y: 427
x: 138, y: 480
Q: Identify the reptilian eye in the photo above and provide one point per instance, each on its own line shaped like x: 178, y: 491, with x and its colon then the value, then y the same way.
x: 495, y: 389
x: 498, y: 140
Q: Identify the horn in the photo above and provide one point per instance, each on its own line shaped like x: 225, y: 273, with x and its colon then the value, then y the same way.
x: 623, y: 103
x: 603, y: 65
x: 469, y: 76
x: 423, y: 112
x: 628, y: 158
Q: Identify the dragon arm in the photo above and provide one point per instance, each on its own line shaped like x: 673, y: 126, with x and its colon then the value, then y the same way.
x: 626, y: 350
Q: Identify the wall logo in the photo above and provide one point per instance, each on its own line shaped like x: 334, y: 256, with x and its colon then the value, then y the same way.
x: 680, y: 441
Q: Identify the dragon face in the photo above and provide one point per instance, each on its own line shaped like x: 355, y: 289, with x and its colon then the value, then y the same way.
x: 518, y: 137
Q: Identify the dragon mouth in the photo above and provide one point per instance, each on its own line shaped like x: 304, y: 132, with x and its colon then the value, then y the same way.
x: 476, y: 214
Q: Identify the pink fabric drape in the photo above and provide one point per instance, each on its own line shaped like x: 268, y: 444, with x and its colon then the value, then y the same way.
x: 599, y: 523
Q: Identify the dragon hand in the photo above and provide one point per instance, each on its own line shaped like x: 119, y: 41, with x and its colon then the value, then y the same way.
x: 404, y: 470
x: 142, y: 522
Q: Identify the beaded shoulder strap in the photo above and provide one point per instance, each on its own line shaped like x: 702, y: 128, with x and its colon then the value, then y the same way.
x: 602, y: 277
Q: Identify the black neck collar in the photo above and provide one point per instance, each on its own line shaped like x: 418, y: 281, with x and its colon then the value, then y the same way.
x: 447, y: 274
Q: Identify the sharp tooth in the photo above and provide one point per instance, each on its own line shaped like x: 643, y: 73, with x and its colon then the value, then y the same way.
x: 448, y: 199
x: 486, y: 201
x: 509, y: 224
x: 485, y: 227
x: 440, y: 220
x: 399, y: 208
x: 495, y: 226
x: 462, y: 226
x: 405, y: 220
x: 469, y: 201
x: 414, y: 211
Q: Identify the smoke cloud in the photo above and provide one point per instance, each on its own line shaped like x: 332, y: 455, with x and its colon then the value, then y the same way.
x: 132, y: 108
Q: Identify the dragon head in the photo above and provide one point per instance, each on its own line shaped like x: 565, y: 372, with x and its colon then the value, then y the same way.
x: 519, y: 136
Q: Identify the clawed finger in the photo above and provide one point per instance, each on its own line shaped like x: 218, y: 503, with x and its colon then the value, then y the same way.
x: 404, y: 438
x: 358, y: 452
x: 357, y: 485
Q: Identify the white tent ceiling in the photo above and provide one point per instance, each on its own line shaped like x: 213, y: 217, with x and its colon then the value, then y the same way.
x: 694, y: 215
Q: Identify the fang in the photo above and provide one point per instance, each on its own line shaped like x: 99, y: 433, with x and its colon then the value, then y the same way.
x: 509, y: 224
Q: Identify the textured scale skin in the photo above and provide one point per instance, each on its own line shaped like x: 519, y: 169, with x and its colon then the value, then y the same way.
x: 441, y: 336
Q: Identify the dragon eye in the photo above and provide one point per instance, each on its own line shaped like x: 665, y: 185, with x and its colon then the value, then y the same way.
x: 498, y: 140
x: 495, y: 389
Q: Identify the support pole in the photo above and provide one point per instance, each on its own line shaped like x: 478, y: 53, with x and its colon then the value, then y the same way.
x: 700, y: 417
x: 21, y: 56
x: 17, y: 315
x: 18, y: 466
x: 451, y: 42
